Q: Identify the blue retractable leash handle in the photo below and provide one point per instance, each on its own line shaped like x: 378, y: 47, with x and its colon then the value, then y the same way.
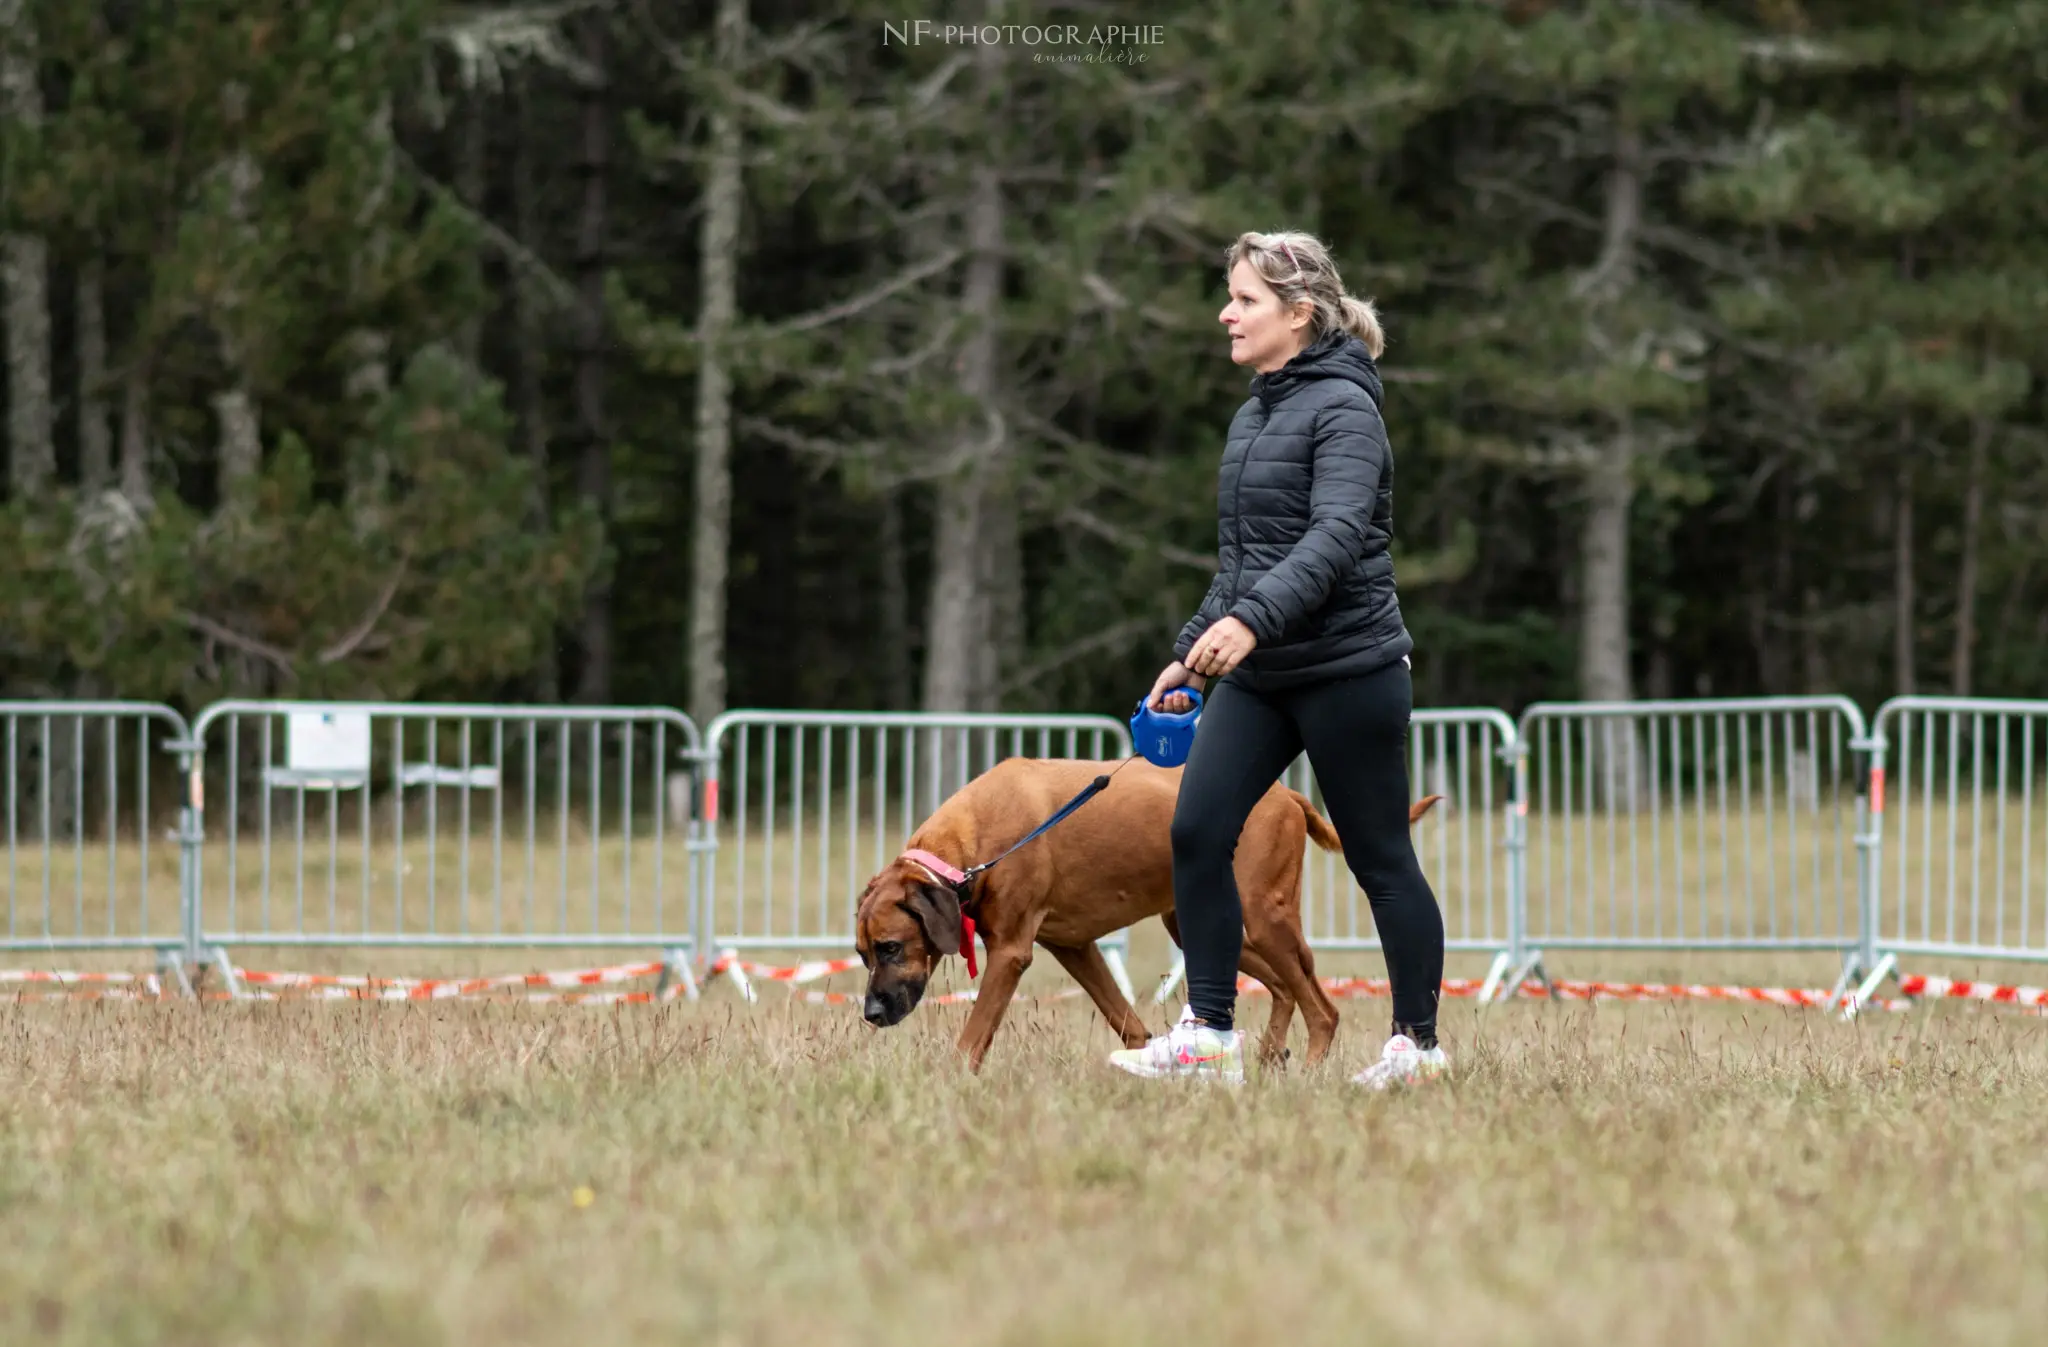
x: 1165, y: 737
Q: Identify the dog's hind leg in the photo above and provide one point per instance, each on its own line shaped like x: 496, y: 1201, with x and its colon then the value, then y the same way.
x: 1280, y: 940
x: 1273, y: 1045
x: 1085, y: 964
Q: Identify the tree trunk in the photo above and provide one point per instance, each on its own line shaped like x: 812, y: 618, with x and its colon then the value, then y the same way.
x: 1604, y: 660
x: 1610, y: 495
x: 135, y: 483
x: 241, y: 443
x: 1603, y: 633
x: 530, y: 353
x: 718, y: 277
x: 1966, y: 574
x: 961, y: 624
x: 594, y: 469
x: 24, y: 269
x: 1903, y: 632
x: 240, y: 451
x: 95, y: 431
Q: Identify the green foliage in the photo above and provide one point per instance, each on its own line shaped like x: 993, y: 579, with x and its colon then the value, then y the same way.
x: 1833, y: 290
x: 415, y: 605
x: 92, y: 594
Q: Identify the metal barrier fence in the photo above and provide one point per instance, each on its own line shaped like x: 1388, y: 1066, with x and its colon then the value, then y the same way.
x: 805, y: 806
x: 369, y: 824
x: 1732, y: 825
x: 1961, y: 836
x: 1745, y: 826
x: 85, y: 795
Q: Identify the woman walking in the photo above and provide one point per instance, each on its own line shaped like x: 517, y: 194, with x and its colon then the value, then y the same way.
x: 1302, y: 636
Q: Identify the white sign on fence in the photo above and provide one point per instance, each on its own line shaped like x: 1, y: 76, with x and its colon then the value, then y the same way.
x: 325, y: 750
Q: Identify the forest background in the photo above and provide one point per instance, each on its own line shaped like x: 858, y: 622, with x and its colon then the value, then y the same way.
x: 756, y: 353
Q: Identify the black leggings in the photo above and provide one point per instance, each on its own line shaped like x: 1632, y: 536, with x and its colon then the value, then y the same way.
x: 1354, y: 730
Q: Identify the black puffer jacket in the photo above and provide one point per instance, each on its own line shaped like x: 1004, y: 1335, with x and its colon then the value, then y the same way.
x: 1304, y: 515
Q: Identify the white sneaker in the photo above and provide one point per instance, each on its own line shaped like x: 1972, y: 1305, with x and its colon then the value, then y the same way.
x: 1188, y: 1049
x: 1402, y: 1063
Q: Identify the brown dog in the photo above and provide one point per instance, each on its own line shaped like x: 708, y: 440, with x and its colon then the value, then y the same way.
x: 1108, y: 866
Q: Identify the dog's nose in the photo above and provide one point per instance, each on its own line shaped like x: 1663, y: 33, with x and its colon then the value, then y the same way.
x: 874, y: 1012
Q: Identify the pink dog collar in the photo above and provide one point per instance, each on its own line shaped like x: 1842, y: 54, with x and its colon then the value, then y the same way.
x: 938, y: 868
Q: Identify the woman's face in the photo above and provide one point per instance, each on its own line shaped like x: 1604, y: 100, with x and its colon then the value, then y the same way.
x: 1262, y: 333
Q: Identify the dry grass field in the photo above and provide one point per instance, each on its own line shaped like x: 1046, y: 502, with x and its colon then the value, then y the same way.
x: 780, y: 1174
x: 709, y: 1173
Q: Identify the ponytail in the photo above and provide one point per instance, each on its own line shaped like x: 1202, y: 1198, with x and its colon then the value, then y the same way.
x: 1359, y: 318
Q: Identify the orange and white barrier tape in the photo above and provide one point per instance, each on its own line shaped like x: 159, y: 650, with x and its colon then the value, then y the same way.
x: 1564, y: 990
x: 43, y: 975
x: 2034, y: 998
x: 743, y: 971
x: 74, y: 986
x: 429, y: 989
x: 811, y: 970
x: 532, y: 998
x: 565, y: 987
x: 148, y: 992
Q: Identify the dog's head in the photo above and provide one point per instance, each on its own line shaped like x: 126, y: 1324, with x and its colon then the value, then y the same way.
x: 905, y: 923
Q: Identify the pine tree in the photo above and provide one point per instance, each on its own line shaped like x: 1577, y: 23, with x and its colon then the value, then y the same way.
x: 1898, y: 311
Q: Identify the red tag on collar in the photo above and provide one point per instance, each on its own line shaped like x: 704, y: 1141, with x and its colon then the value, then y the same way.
x: 967, y: 943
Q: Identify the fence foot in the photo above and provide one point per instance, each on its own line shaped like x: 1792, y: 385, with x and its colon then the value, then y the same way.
x: 1530, y: 968
x: 1886, y: 967
x: 1170, y: 979
x: 171, y: 965
x: 1839, y: 995
x: 218, y: 958
x: 731, y: 960
x: 1115, y: 959
x: 675, y: 967
x: 1489, y: 991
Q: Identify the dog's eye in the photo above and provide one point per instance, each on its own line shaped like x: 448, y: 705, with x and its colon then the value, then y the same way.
x: 889, y: 950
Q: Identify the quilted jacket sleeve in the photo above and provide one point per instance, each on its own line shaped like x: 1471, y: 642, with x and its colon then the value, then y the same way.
x: 1350, y: 455
x: 1209, y: 611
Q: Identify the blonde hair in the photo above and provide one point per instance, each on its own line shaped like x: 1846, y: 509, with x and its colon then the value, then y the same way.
x: 1298, y: 267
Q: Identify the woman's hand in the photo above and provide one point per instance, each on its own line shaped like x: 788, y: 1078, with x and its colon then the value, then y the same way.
x: 1221, y: 648
x: 1164, y: 697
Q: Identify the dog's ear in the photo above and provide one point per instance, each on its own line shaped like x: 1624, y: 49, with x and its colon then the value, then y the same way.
x: 937, y: 909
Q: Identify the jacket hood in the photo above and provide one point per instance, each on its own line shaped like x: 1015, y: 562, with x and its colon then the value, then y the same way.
x: 1334, y: 355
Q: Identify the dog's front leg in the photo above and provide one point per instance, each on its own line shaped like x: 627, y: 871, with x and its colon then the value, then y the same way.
x: 1006, y: 965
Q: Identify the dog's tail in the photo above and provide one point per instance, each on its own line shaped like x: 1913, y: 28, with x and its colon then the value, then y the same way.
x: 1324, y: 835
